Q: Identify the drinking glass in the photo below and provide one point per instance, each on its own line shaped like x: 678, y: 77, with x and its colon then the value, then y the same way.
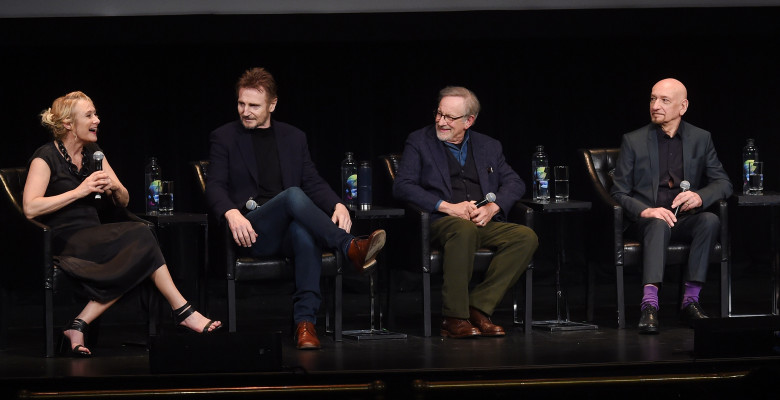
x: 166, y: 197
x: 561, y: 179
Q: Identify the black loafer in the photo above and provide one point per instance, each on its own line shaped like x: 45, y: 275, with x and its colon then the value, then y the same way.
x: 691, y: 313
x: 648, y: 323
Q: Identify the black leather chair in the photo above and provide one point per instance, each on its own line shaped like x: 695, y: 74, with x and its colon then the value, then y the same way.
x: 27, y: 232
x: 600, y: 167
x: 428, y: 259
x: 244, y: 268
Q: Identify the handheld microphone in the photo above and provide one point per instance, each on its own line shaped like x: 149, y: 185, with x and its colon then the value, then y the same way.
x: 684, y: 185
x: 250, y: 205
x: 97, y: 157
x: 489, y: 198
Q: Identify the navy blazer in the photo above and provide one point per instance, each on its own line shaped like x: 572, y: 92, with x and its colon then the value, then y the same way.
x: 637, y: 172
x: 232, y: 175
x: 424, y: 177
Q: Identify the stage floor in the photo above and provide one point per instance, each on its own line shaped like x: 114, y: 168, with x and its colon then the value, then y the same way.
x: 594, y: 362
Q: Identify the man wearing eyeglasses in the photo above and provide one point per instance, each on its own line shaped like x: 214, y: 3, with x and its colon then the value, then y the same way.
x: 446, y: 168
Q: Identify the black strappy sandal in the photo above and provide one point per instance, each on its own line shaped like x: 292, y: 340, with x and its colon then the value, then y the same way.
x: 181, y: 313
x: 75, y: 351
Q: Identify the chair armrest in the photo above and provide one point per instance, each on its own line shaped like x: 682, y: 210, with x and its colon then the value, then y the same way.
x: 723, y: 215
x: 230, y: 250
x: 417, y: 231
x: 41, y: 233
x: 522, y: 214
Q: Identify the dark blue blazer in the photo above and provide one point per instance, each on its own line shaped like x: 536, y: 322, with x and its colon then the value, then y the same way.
x: 424, y: 178
x: 637, y: 173
x: 232, y: 175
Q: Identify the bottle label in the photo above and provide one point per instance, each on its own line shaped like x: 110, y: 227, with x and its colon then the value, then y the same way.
x: 153, y: 195
x: 540, y: 173
x: 350, y: 187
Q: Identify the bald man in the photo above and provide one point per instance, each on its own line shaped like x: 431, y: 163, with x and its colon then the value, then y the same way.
x: 653, y: 161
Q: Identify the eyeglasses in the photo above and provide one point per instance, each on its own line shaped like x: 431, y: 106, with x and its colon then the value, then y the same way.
x: 447, y: 118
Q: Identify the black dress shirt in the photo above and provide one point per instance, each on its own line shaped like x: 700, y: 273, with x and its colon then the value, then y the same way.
x: 670, y: 166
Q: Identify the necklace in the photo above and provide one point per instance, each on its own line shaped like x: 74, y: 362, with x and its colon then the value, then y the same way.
x: 71, y: 167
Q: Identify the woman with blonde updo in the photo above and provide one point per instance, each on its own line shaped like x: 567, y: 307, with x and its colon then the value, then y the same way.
x: 108, y: 259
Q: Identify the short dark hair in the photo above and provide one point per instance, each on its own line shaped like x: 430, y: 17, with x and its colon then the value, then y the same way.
x: 260, y: 79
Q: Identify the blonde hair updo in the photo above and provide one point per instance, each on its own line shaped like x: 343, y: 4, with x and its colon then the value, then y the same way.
x: 61, y: 113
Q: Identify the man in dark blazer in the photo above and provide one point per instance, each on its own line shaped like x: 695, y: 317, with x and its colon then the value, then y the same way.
x: 263, y: 182
x: 445, y: 168
x: 654, y: 160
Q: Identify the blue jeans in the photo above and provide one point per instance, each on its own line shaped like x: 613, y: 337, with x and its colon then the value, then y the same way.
x: 292, y: 225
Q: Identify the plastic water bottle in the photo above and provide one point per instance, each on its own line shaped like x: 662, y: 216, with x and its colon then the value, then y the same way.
x: 152, y: 181
x: 349, y: 181
x: 749, y: 156
x: 541, y: 179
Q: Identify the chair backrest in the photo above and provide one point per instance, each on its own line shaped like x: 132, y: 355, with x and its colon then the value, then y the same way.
x: 201, y: 173
x: 13, y: 180
x: 600, y: 167
x: 390, y: 162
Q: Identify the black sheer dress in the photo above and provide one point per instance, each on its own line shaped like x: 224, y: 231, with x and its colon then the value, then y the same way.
x: 108, y: 259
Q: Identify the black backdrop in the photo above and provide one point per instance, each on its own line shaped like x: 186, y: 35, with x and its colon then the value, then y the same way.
x: 361, y: 82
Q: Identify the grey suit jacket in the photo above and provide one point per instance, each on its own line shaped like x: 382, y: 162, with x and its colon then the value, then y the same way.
x: 636, y: 173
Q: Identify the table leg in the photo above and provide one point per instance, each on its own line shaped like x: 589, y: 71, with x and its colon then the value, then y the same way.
x: 562, y: 323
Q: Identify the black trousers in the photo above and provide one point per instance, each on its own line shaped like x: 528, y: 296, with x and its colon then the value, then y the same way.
x: 700, y: 230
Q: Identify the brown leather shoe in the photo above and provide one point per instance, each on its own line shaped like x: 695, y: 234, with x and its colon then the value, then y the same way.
x: 484, y: 324
x: 362, y: 251
x: 306, y: 336
x: 457, y: 328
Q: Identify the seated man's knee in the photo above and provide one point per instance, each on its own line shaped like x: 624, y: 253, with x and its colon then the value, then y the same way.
x: 657, y: 225
x: 294, y: 195
x: 525, y: 236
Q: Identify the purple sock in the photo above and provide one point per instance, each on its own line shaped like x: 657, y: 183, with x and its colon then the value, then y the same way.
x: 650, y: 297
x: 691, y: 294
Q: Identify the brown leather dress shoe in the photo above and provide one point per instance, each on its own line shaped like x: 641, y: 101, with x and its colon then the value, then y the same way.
x: 457, y: 328
x: 306, y: 336
x: 362, y: 251
x: 484, y: 324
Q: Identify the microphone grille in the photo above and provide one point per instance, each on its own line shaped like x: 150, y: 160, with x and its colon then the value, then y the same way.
x: 685, y: 185
x: 98, y: 156
x: 491, y: 197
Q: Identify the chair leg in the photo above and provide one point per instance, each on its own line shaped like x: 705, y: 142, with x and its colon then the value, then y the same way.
x: 725, y: 287
x: 231, y: 302
x: 339, y: 303
x: 591, y: 293
x: 48, y: 316
x: 5, y: 298
x: 426, y: 288
x: 621, y: 301
x: 528, y: 323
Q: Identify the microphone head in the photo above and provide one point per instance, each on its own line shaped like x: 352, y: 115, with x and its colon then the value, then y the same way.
x: 98, y: 156
x: 685, y: 185
x: 250, y: 204
x: 490, y: 197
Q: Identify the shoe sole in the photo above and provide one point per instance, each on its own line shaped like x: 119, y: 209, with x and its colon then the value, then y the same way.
x: 377, y: 243
x: 648, y: 331
x: 444, y: 333
x: 494, y: 334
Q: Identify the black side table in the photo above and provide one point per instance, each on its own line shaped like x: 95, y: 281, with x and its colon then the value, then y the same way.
x: 165, y: 221
x: 771, y: 200
x: 375, y: 213
x: 559, y: 209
